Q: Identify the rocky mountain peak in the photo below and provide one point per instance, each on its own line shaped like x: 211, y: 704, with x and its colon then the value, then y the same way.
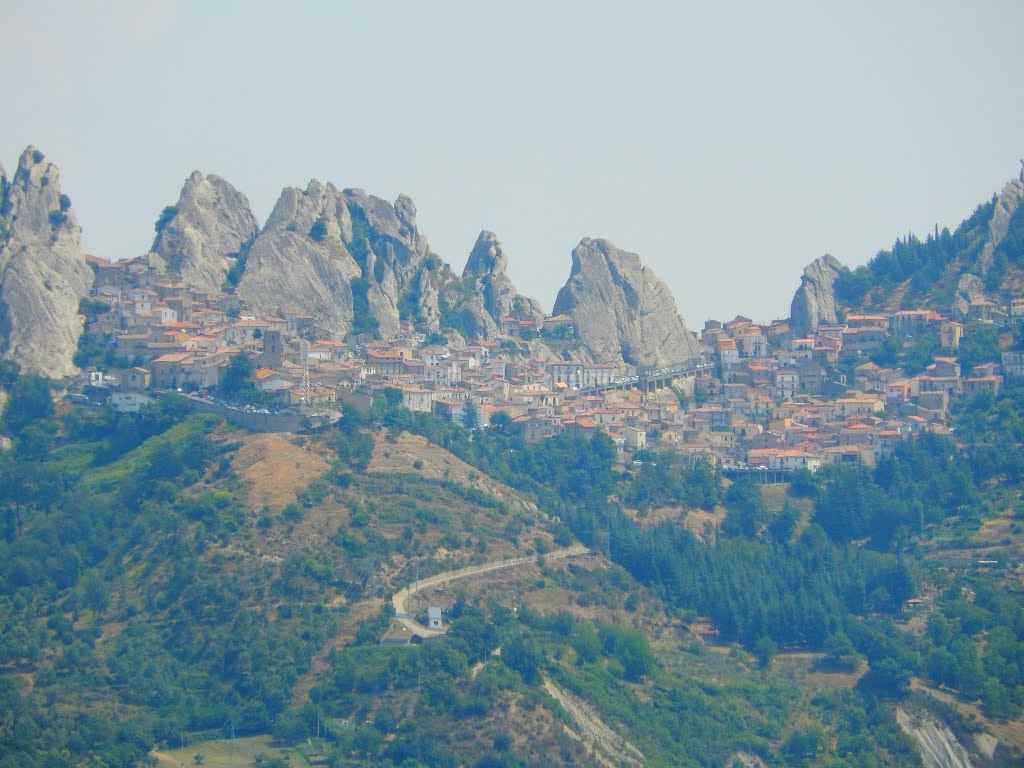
x: 494, y: 297
x: 814, y: 303
x: 391, y: 231
x: 34, y: 194
x: 299, y: 261
x: 487, y: 256
x: 405, y: 209
x: 344, y: 255
x: 622, y: 312
x: 43, y: 272
x: 201, y: 236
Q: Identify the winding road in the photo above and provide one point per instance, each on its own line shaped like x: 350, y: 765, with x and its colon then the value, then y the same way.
x: 400, y: 597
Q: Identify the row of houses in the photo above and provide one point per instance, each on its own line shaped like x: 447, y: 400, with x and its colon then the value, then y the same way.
x: 774, y: 399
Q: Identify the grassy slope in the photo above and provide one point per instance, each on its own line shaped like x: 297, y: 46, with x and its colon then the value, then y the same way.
x: 420, y: 510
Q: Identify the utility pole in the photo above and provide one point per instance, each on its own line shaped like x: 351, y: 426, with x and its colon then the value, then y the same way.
x: 306, y: 394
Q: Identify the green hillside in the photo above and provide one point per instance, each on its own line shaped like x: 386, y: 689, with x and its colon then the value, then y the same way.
x: 926, y: 273
x: 168, y: 582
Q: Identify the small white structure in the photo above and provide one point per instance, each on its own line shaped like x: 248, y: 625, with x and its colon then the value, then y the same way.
x: 129, y: 402
x: 434, y: 618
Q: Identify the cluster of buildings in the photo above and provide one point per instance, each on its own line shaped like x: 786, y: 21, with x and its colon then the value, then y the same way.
x: 760, y: 397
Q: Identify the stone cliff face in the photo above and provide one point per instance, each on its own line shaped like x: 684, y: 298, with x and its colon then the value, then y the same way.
x: 43, y: 272
x: 936, y: 744
x: 622, y: 312
x: 1006, y: 205
x: 968, y: 288
x: 205, y: 232
x: 815, y: 301
x: 291, y: 266
x: 972, y: 287
x: 342, y: 256
x: 494, y: 297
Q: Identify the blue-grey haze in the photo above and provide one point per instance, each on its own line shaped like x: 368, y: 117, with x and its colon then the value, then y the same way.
x: 729, y: 144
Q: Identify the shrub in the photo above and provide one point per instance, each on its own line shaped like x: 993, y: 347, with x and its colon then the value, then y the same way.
x: 165, y: 217
x: 319, y: 230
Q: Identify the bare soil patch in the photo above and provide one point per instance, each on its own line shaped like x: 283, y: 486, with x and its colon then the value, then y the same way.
x: 413, y: 454
x: 805, y: 666
x: 275, y: 468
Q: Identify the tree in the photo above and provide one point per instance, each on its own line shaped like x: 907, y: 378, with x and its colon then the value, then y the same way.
x: 500, y: 422
x: 802, y: 747
x: 319, y: 230
x: 764, y: 649
x: 630, y: 647
x: 237, y: 375
x: 979, y: 346
x: 839, y: 651
x: 9, y: 370
x: 746, y: 508
x: 35, y: 441
x: 470, y: 415
x: 30, y: 401
x: 586, y: 644
x: 802, y: 483
x: 887, y: 678
x: 524, y: 655
x: 165, y: 217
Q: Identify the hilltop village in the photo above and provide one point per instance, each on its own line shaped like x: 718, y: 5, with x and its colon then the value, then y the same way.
x: 759, y: 396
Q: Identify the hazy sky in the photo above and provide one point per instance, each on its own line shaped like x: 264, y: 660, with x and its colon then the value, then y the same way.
x: 729, y: 144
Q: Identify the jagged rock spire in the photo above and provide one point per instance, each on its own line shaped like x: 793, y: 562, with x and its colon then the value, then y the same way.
x: 43, y: 271
x: 622, y: 312
x: 205, y: 232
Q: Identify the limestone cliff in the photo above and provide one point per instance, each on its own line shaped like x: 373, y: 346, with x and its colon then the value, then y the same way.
x: 43, y: 272
x: 343, y: 256
x: 937, y: 745
x: 202, y: 236
x: 968, y: 288
x: 815, y: 303
x: 622, y: 312
x: 493, y: 296
x: 1006, y: 205
x: 294, y: 266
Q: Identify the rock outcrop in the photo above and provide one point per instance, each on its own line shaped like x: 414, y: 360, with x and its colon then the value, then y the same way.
x: 815, y: 303
x: 936, y: 744
x: 969, y: 288
x: 622, y: 312
x: 1006, y: 205
x: 345, y: 257
x: 292, y: 266
x: 202, y: 236
x: 493, y: 296
x: 43, y: 271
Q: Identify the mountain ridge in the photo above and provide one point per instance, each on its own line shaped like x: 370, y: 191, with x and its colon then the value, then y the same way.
x: 983, y: 259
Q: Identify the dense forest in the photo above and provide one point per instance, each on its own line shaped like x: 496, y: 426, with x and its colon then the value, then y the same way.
x: 132, y: 614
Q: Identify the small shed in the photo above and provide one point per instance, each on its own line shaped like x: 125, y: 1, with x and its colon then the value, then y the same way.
x: 434, y: 618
